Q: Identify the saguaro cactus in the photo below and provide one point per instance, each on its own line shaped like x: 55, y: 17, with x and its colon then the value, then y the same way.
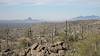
x: 52, y: 36
x: 66, y: 32
x: 30, y: 32
x: 0, y: 46
x: 7, y: 36
x: 81, y: 31
x: 55, y: 30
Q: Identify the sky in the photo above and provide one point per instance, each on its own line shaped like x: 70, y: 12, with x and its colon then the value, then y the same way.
x: 51, y: 10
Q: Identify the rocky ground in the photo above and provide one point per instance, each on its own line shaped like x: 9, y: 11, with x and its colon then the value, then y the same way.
x: 48, y: 49
x: 47, y: 40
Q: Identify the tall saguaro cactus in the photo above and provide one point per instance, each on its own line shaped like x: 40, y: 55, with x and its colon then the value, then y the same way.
x: 55, y: 30
x: 66, y: 28
x: 66, y: 31
x: 30, y: 32
x: 0, y: 46
x: 7, y: 37
x: 52, y: 36
x: 81, y: 31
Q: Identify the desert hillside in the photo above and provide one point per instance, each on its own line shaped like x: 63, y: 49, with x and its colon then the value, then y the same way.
x: 69, y: 38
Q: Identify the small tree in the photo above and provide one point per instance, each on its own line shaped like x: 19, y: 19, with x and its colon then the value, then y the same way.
x: 24, y: 42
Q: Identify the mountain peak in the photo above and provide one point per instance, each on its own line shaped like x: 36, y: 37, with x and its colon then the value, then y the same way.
x: 91, y: 17
x: 29, y: 18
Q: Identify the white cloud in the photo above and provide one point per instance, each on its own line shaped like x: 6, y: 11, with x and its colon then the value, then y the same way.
x: 39, y: 2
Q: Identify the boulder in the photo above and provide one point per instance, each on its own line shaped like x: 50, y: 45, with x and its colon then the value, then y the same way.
x: 56, y: 49
x: 65, y: 46
x: 41, y: 54
x: 58, y: 43
x: 59, y: 47
x: 34, y: 53
x: 34, y: 46
x: 61, y: 52
x: 40, y: 47
x: 22, y: 53
x: 54, y: 54
x: 46, y: 52
x: 53, y: 50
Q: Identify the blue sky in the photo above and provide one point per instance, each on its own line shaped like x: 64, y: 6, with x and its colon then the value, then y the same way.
x: 48, y: 9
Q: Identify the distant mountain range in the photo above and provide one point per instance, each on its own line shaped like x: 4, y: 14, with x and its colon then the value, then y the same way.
x: 28, y: 20
x: 19, y: 23
x: 92, y: 17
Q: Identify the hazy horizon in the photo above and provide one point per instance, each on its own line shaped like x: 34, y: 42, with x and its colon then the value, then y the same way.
x: 51, y: 10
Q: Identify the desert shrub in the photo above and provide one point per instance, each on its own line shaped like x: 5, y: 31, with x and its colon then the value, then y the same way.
x: 24, y: 42
x: 62, y: 36
x: 88, y: 46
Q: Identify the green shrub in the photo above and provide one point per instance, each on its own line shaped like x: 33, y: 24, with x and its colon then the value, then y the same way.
x: 24, y: 42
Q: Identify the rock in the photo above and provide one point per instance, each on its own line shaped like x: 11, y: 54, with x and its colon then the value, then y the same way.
x: 22, y: 53
x: 65, y: 46
x: 58, y: 43
x: 27, y: 52
x: 54, y: 54
x: 40, y: 47
x: 41, y: 54
x: 7, y: 50
x: 15, y: 54
x: 56, y: 49
x: 34, y: 46
x: 53, y: 49
x: 34, y: 53
x: 61, y: 53
x: 47, y: 49
x: 59, y: 47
